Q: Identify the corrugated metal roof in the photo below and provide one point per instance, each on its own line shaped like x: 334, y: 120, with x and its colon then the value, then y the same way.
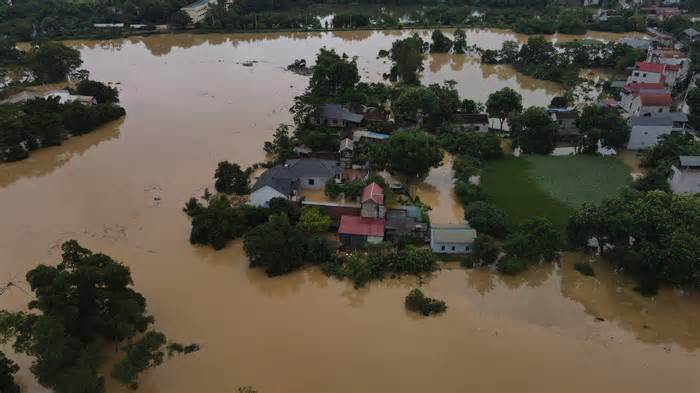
x: 374, y: 192
x: 336, y: 111
x: 356, y: 225
x: 693, y: 161
x: 649, y: 67
x: 346, y: 144
x: 455, y: 234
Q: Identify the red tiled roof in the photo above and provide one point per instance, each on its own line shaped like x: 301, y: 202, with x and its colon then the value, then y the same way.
x: 356, y: 225
x: 636, y: 87
x: 656, y: 99
x: 374, y: 192
x: 672, y: 67
x: 649, y: 67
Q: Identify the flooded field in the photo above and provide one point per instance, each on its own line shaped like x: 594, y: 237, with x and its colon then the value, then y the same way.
x: 191, y: 104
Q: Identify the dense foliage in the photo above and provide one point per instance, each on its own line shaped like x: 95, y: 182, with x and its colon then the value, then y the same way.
x: 406, y: 57
x: 502, y: 103
x: 418, y: 302
x: 602, y: 126
x: 411, y: 153
x: 8, y: 369
x: 231, y: 179
x: 655, y: 236
x: 81, y: 304
x: 533, y: 131
x: 487, y: 219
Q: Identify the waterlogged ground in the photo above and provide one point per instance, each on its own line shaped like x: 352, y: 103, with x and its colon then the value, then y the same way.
x: 120, y: 190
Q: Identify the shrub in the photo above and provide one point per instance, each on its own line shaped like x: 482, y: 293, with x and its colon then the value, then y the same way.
x: 585, y: 268
x: 418, y: 302
x: 511, y: 265
x: 486, y: 249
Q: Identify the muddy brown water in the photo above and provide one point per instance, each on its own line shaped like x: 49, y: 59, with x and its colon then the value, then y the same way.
x: 120, y: 190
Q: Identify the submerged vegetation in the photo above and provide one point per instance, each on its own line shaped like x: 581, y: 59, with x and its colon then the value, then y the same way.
x: 418, y: 302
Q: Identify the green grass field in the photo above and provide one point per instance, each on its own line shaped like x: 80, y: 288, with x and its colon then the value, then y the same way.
x: 550, y: 186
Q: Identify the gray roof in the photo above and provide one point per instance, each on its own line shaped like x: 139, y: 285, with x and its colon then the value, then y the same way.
x: 659, y: 119
x: 452, y: 234
x: 634, y: 42
x: 691, y: 32
x: 693, y: 161
x: 313, y: 167
x: 278, y: 177
x: 674, y: 116
x: 339, y: 112
x: 284, y: 178
x: 346, y: 143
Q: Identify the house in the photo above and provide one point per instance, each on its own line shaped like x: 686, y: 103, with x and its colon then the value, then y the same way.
x: 659, y: 38
x: 690, y: 35
x: 646, y: 130
x: 405, y: 224
x: 197, y: 11
x: 452, y: 239
x: 685, y: 175
x: 645, y: 72
x: 335, y: 115
x: 677, y: 64
x: 369, y: 113
x: 355, y: 231
x: 651, y: 102
x: 636, y: 43
x: 64, y: 97
x: 285, y: 181
x: 630, y: 91
x: 566, y: 120
x: 478, y: 122
x: 372, y: 201
x: 108, y: 25
x: 365, y: 136
x: 346, y: 153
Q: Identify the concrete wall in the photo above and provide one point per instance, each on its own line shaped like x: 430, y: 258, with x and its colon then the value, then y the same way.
x: 641, y: 76
x: 318, y: 183
x: 451, y: 248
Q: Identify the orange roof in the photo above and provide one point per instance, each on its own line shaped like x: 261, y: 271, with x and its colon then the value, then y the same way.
x: 356, y: 225
x: 672, y: 67
x: 636, y: 87
x: 656, y: 99
x: 374, y: 192
x: 649, y: 67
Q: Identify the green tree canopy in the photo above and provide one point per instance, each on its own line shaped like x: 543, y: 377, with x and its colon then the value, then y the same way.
x: 53, y: 61
x: 487, y: 219
x: 231, y: 179
x: 441, y: 43
x: 407, y: 59
x: 313, y: 220
x: 533, y: 131
x: 503, y: 102
x: 604, y: 125
x: 276, y: 246
x: 333, y: 74
x: 411, y: 153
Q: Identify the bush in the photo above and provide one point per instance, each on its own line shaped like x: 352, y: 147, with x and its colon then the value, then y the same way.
x: 584, y: 268
x: 418, y: 302
x: 511, y: 265
x: 487, y: 218
x: 467, y: 192
x: 486, y: 249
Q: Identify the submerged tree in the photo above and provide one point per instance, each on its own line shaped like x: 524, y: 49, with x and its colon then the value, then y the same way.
x: 502, y: 103
x: 53, y: 61
x: 533, y: 131
x: 231, y: 179
x: 82, y: 303
x: 407, y: 59
x: 441, y: 43
x: 8, y: 369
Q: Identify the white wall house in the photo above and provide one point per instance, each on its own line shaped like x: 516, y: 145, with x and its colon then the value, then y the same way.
x: 261, y: 197
x: 646, y: 103
x: 645, y: 72
x: 452, y: 239
x: 646, y: 130
x: 685, y: 175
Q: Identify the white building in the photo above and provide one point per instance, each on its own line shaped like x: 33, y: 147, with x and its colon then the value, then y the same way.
x: 452, y: 239
x: 285, y: 181
x: 646, y: 130
x: 645, y: 72
x: 198, y: 10
x: 685, y: 175
x: 650, y: 102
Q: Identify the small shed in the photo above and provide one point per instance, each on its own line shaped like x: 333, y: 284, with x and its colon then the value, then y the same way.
x: 372, y: 201
x: 685, y: 175
x: 452, y: 239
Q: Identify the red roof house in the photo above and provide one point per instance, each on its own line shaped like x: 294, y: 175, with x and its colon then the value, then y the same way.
x: 373, y: 192
x: 656, y: 99
x: 649, y: 67
x: 636, y: 87
x: 355, y: 231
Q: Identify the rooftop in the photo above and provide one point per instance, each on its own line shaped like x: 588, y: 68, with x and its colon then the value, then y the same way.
x: 472, y: 118
x: 336, y: 111
x: 346, y: 144
x: 565, y: 115
x: 692, y: 33
x: 691, y: 161
x: 452, y: 234
x: 283, y: 178
x: 636, y: 87
x: 373, y: 192
x: 656, y: 99
x: 356, y: 225
x: 649, y: 67
x: 357, y: 135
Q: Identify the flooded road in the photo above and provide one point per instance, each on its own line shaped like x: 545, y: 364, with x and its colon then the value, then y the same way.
x: 120, y: 190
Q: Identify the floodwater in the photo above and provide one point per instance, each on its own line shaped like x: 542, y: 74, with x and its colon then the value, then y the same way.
x: 190, y: 104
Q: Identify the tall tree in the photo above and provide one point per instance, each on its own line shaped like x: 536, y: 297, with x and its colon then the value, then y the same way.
x: 8, y: 369
x: 276, y: 246
x: 503, y: 102
x: 333, y: 74
x: 231, y: 179
x: 533, y: 131
x: 411, y: 153
x: 441, y: 43
x: 603, y: 125
x: 53, y: 61
x: 407, y: 59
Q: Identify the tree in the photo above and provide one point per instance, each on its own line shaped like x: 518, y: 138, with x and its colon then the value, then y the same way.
x: 52, y: 61
x: 418, y: 302
x: 533, y: 131
x: 441, y: 44
x: 103, y: 94
x: 230, y: 179
x: 276, y: 246
x: 180, y: 20
x: 282, y: 145
x: 460, y: 41
x: 333, y: 74
x: 313, y: 220
x: 472, y: 107
x: 81, y: 303
x: 407, y: 59
x: 693, y: 101
x: 503, y: 102
x: 8, y: 369
x: 560, y: 102
x: 604, y: 125
x: 536, y: 239
x: 486, y: 249
x: 411, y: 153
x: 487, y: 219
x: 414, y: 102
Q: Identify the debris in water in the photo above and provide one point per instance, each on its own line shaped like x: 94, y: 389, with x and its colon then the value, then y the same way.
x: 599, y: 319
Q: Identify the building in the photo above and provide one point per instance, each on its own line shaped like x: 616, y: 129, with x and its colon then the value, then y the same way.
x: 355, y: 231
x: 659, y: 38
x: 108, y: 25
x: 405, y: 224
x: 636, y: 43
x: 690, y: 35
x: 335, y: 115
x: 566, y: 120
x: 651, y: 102
x: 64, y: 97
x: 346, y: 153
x: 285, y: 181
x: 630, y: 91
x: 478, y: 122
x: 677, y: 64
x: 452, y: 239
x: 646, y: 130
x: 369, y: 113
x: 365, y: 136
x: 685, y: 175
x: 372, y: 201
x: 645, y: 72
x: 197, y: 11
